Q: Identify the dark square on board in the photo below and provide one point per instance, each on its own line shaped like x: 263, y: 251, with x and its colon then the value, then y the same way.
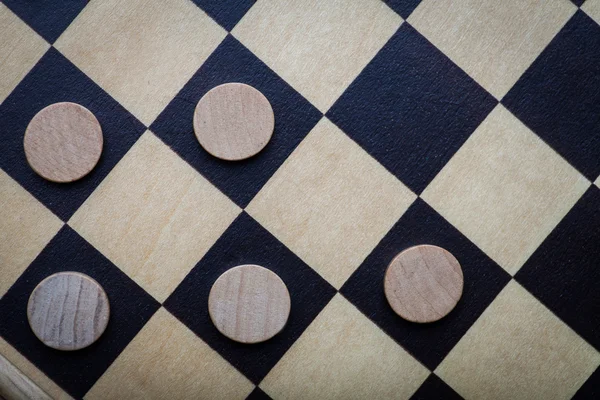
x: 403, y: 7
x: 558, y: 97
x: 483, y: 280
x: 226, y: 12
x: 49, y: 18
x: 411, y: 108
x: 258, y: 394
x: 435, y: 389
x: 564, y: 272
x: 294, y: 118
x: 590, y: 390
x: 55, y: 79
x: 130, y: 308
x: 247, y: 242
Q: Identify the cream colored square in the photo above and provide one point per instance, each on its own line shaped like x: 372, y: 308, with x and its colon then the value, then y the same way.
x: 493, y: 41
x: 518, y: 349
x: 597, y: 182
x: 141, y: 51
x: 20, y: 48
x: 505, y: 189
x: 154, y: 216
x: 330, y: 203
x: 319, y: 47
x: 168, y: 361
x: 343, y: 355
x: 592, y: 8
x: 26, y: 227
x: 30, y: 371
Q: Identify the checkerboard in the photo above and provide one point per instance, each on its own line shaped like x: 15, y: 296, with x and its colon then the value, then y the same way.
x: 473, y: 125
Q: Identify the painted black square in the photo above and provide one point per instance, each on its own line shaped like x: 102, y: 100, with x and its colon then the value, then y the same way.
x: 411, y: 108
x: 564, y: 271
x: 130, y: 308
x: 403, y: 7
x: 246, y: 242
x: 49, y: 18
x: 226, y: 12
x: 578, y: 3
x: 483, y: 280
x: 558, y: 97
x: 55, y: 79
x: 294, y: 118
x: 590, y: 390
x: 435, y: 389
x: 258, y: 394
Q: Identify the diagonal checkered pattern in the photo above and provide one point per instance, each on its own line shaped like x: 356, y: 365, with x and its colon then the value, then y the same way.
x: 471, y: 125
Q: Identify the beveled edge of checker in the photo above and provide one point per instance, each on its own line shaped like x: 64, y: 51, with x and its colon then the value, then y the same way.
x: 462, y: 283
x: 271, y: 131
x: 58, y: 104
x: 84, y: 276
x: 288, y: 311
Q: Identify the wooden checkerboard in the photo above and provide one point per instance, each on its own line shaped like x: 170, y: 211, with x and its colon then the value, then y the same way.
x: 473, y: 125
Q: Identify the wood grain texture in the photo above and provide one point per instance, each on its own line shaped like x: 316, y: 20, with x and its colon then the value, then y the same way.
x: 249, y: 304
x: 63, y: 142
x: 518, y: 349
x: 330, y: 203
x: 166, y: 360
x: 492, y: 41
x: 320, y: 46
x: 505, y: 189
x: 423, y: 283
x: 26, y: 227
x: 233, y: 121
x: 68, y: 311
x: 14, y: 385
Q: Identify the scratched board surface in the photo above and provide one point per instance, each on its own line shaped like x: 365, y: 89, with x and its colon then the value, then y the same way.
x: 469, y: 124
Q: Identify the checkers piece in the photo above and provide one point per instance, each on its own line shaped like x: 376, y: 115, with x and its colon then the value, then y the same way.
x: 63, y: 142
x: 249, y: 304
x: 68, y: 311
x: 423, y: 283
x: 233, y: 121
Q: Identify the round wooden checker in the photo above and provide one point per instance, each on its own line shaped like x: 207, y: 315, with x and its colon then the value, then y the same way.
x: 249, y: 304
x: 68, y: 311
x: 63, y: 142
x: 233, y: 121
x: 423, y: 283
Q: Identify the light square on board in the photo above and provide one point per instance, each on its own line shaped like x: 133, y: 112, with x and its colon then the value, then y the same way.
x: 330, y: 203
x: 493, y: 41
x: 20, y: 47
x: 140, y: 51
x: 26, y: 226
x: 154, y: 216
x: 505, y: 189
x: 518, y: 349
x: 166, y: 360
x: 343, y: 355
x: 592, y: 8
x: 318, y: 47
